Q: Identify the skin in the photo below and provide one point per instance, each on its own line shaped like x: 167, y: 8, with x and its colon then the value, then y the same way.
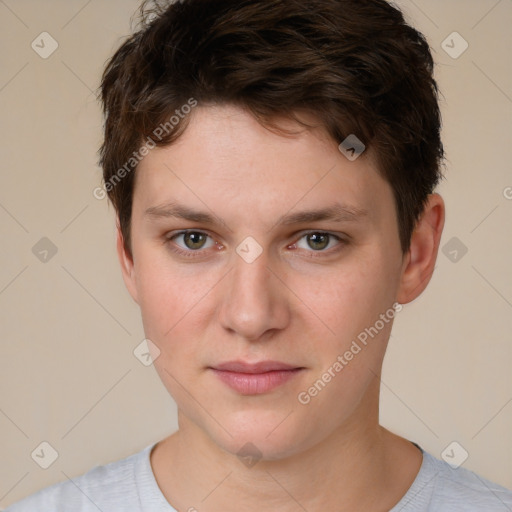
x: 299, y: 302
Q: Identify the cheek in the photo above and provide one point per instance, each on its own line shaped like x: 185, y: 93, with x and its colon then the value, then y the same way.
x: 175, y: 304
x: 352, y: 296
x: 167, y: 309
x: 166, y: 293
x: 158, y: 299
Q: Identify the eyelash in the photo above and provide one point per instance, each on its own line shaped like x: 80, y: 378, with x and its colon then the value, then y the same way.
x: 199, y: 253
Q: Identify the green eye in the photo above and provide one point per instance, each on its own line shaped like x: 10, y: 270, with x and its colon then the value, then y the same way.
x: 319, y: 241
x: 194, y: 243
x: 194, y: 239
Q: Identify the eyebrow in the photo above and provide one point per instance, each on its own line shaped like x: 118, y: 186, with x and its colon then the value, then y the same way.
x: 336, y: 212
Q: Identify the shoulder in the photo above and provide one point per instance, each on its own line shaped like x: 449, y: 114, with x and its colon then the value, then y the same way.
x: 462, y: 489
x: 441, y: 488
x: 108, y: 487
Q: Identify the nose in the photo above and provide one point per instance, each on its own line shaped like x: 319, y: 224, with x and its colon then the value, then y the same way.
x: 254, y: 300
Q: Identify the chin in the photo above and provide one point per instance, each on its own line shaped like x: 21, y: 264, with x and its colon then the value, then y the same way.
x: 263, y: 436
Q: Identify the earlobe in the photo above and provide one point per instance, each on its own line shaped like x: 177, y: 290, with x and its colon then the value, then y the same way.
x: 420, y: 261
x: 127, y: 265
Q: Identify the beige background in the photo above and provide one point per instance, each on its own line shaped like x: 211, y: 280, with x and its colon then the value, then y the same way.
x: 68, y: 375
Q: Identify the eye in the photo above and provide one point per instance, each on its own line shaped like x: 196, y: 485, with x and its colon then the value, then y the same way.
x: 319, y: 241
x: 193, y: 242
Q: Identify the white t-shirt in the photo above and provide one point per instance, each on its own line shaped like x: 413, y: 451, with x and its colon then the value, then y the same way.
x: 129, y: 485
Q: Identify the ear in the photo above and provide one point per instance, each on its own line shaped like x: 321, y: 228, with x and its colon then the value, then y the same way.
x: 127, y: 266
x: 419, y: 262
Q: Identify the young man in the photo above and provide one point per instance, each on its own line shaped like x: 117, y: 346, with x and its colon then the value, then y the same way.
x: 273, y: 164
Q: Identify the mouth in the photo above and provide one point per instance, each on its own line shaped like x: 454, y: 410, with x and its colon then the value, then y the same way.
x: 255, y: 378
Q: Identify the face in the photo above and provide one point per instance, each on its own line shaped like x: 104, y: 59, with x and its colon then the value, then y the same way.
x: 251, y: 304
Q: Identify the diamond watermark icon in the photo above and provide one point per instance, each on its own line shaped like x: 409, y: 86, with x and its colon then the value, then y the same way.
x: 44, y: 45
x: 146, y: 352
x: 454, y: 45
x: 352, y: 147
x: 249, y: 250
x: 44, y: 455
x: 44, y: 250
x: 454, y: 454
x: 249, y: 455
x: 454, y: 249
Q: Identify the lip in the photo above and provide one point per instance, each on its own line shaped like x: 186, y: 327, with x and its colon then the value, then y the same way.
x: 255, y: 378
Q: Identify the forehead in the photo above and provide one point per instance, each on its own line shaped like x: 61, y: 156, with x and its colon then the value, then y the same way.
x: 226, y: 158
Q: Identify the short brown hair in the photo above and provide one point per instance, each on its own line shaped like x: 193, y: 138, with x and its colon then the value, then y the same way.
x: 356, y: 65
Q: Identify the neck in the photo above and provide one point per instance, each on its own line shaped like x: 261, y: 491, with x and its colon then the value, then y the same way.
x: 360, y: 466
